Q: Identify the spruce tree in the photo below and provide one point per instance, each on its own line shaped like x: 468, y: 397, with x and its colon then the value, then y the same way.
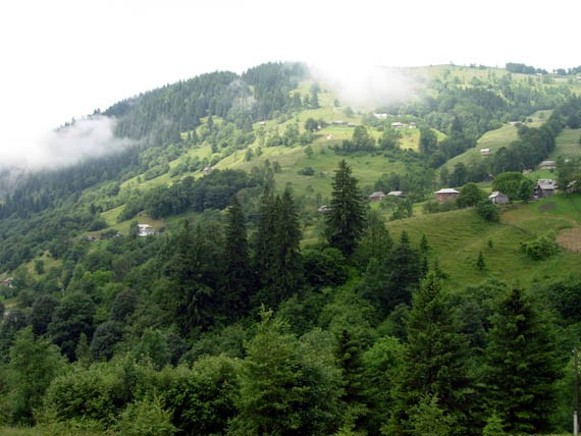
x: 284, y: 390
x: 345, y: 221
x: 376, y: 242
x: 237, y: 270
x: 277, y: 255
x: 263, y: 246
x: 349, y: 354
x: 521, y: 367
x: 287, y: 237
x: 434, y: 360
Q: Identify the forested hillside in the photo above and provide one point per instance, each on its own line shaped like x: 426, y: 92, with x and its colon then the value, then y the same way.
x: 230, y: 272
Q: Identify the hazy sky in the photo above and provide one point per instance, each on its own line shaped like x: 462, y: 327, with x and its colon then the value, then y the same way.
x: 64, y: 58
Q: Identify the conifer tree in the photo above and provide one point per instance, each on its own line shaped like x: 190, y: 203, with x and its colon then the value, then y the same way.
x: 263, y: 246
x: 349, y: 354
x: 237, y: 269
x: 283, y: 391
x: 521, y: 369
x: 287, y: 238
x: 434, y: 360
x: 277, y: 255
x: 192, y: 268
x: 376, y: 242
x: 345, y: 221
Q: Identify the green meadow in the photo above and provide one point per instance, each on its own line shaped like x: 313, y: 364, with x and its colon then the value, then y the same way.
x: 456, y: 238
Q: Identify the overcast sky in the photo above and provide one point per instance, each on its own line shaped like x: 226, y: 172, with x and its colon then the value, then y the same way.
x: 64, y: 58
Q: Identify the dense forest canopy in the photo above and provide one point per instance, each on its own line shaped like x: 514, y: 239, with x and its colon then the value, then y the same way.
x: 232, y: 273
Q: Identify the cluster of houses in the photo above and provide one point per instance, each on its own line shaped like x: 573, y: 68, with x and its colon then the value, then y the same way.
x: 380, y: 195
x: 543, y: 188
x: 395, y: 124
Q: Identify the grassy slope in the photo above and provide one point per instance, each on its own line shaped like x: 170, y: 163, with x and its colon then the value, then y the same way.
x: 494, y: 140
x: 567, y: 144
x: 457, y: 237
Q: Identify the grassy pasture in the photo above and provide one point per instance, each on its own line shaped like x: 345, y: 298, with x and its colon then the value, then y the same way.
x: 498, y: 138
x: 567, y: 144
x: 457, y: 237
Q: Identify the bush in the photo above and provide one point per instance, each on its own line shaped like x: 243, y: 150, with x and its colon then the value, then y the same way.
x: 307, y: 171
x: 437, y: 206
x: 489, y: 211
x: 146, y: 418
x: 540, y: 248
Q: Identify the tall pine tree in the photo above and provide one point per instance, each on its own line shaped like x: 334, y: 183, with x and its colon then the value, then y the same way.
x: 345, y: 221
x: 263, y: 246
x: 277, y: 256
x: 521, y: 367
x: 237, y: 270
x: 287, y: 237
x: 434, y: 360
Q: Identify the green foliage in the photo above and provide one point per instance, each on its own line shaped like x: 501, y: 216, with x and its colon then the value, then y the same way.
x: 427, y: 418
x: 152, y: 349
x: 521, y: 366
x: 542, y: 247
x: 96, y: 394
x: 189, y: 293
x: 565, y: 297
x: 434, y: 364
x: 480, y: 263
x: 71, y: 318
x: 494, y: 426
x: 238, y: 272
x: 509, y: 183
x: 470, y: 195
x: 146, y: 417
x: 42, y: 312
x: 569, y: 174
x: 488, y: 211
x: 324, y: 268
x: 284, y: 388
x: 428, y: 141
x: 346, y: 219
x: 106, y: 336
x: 381, y: 365
x: 34, y: 363
x: 391, y: 280
x: 376, y: 242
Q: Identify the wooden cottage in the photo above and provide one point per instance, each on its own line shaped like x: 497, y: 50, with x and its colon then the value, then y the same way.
x: 447, y: 194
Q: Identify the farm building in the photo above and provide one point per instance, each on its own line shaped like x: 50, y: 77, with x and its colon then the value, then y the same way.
x: 377, y: 196
x: 397, y: 194
x: 545, y: 188
x: 446, y: 194
x: 548, y: 165
x: 498, y: 197
x: 485, y: 152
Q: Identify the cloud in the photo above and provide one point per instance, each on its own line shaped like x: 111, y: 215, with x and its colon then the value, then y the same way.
x: 87, y: 138
x: 361, y: 84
